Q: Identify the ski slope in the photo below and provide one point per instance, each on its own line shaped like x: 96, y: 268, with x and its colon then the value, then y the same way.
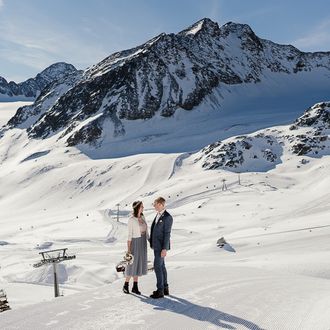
x: 273, y: 274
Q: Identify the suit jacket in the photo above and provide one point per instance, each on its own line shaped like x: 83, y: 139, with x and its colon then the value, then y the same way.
x: 160, y: 232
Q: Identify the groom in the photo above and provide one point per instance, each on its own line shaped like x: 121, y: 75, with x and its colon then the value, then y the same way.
x: 160, y: 242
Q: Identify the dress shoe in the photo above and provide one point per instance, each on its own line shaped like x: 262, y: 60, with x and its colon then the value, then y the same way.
x: 135, y: 288
x: 157, y: 294
x: 125, y: 288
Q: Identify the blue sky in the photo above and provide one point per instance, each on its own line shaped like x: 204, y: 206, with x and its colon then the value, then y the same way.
x: 37, y: 33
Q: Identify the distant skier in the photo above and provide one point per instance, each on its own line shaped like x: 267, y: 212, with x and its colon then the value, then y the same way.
x: 160, y: 242
x: 137, y: 245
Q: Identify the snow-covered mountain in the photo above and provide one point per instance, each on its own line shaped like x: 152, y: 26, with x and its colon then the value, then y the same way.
x: 28, y: 114
x: 202, y: 67
x: 262, y: 151
x: 31, y: 88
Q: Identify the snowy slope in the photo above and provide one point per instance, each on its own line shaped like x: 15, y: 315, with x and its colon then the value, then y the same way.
x: 228, y: 299
x: 274, y: 274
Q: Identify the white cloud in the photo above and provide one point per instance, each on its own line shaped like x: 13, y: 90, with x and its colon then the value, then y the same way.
x: 318, y: 39
x: 1, y: 4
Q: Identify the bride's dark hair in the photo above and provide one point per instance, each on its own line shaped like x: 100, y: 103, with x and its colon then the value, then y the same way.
x: 136, y: 206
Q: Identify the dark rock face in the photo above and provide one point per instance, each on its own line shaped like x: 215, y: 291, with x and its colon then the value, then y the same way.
x: 89, y: 134
x: 167, y: 73
x: 27, y: 115
x: 31, y: 88
x: 310, y: 136
x: 263, y: 150
x: 301, y: 148
x: 317, y: 118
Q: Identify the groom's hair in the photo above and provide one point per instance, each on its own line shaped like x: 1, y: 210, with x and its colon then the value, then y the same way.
x: 160, y: 200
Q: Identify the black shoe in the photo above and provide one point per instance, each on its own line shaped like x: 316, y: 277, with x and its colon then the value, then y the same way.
x: 157, y: 294
x: 135, y: 288
x: 125, y: 288
x: 166, y: 291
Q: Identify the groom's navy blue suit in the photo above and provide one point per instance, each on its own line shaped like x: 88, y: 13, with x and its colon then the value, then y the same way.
x: 160, y: 235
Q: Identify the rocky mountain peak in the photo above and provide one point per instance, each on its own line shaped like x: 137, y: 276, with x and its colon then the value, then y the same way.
x: 243, y: 32
x: 205, y: 25
x: 32, y: 87
x: 237, y: 28
x: 56, y: 71
x: 3, y: 80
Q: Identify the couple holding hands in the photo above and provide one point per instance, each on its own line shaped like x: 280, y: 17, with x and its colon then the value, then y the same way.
x: 159, y: 240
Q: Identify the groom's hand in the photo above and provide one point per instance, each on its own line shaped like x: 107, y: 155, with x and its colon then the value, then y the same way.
x: 163, y: 253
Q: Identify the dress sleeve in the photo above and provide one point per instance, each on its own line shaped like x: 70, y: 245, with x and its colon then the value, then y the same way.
x: 130, y: 229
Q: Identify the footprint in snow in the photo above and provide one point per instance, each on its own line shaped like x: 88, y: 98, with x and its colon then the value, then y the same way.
x: 85, y: 305
x: 51, y: 323
x: 101, y: 297
x: 62, y: 313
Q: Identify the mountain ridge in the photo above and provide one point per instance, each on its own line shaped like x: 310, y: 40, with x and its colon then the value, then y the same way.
x: 168, y: 74
x: 32, y: 87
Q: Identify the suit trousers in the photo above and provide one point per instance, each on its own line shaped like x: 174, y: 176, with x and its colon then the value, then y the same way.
x: 160, y: 270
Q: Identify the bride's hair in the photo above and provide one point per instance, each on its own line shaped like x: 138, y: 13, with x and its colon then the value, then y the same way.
x: 136, y: 206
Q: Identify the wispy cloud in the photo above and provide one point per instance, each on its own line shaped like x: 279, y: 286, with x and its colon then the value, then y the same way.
x: 39, y: 47
x: 1, y: 4
x: 315, y: 40
x: 215, y: 10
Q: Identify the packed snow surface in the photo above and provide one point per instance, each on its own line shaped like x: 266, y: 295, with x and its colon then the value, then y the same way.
x: 272, y: 274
